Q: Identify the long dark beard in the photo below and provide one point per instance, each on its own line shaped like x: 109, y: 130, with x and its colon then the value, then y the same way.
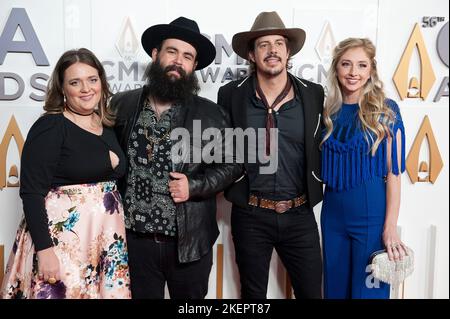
x: 169, y: 89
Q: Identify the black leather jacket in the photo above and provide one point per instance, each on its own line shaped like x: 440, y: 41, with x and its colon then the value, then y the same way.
x: 196, y: 218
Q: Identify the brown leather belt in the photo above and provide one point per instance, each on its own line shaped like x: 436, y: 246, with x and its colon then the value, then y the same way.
x: 280, y: 206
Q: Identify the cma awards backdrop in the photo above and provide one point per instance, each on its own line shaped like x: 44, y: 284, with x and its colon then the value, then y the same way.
x: 412, y: 41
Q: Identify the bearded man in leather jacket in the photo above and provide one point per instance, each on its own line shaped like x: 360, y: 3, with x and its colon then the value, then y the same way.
x: 170, y: 206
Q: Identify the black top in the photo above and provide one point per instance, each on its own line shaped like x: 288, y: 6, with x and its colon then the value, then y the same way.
x: 58, y: 152
x: 289, y: 179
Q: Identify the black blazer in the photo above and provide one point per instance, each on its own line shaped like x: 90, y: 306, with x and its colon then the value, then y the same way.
x: 231, y: 97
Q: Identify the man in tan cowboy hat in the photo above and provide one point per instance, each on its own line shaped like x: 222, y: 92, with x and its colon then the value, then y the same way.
x: 276, y: 210
x: 170, y: 206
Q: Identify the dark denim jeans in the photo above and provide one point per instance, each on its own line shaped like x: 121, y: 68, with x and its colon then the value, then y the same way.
x: 294, y: 235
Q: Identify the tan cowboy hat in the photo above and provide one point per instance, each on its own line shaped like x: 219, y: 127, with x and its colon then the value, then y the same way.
x: 268, y: 23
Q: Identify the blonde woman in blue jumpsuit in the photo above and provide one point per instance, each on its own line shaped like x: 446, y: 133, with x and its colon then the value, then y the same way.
x: 363, y: 155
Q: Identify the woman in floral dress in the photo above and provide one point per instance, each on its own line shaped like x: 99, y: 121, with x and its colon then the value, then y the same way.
x: 71, y: 241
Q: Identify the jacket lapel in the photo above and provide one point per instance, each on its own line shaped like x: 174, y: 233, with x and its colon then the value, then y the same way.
x: 239, y: 103
x: 309, y: 110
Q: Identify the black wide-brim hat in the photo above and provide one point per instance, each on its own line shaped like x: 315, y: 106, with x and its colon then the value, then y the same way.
x: 182, y: 29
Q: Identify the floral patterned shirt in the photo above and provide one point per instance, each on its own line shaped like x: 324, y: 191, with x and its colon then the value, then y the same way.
x: 149, y: 208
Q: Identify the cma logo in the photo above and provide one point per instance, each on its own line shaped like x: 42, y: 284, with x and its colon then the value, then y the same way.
x: 12, y: 131
x: 317, y: 72
x: 429, y: 169
x: 420, y: 88
x: 424, y: 170
x: 18, y: 19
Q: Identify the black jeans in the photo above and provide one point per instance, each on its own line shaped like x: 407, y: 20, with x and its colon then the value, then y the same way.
x: 295, y: 237
x: 153, y: 263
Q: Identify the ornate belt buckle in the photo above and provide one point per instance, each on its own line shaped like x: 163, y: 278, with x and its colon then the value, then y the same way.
x: 282, y: 206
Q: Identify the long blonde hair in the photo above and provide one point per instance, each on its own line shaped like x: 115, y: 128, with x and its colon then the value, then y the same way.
x: 374, y: 114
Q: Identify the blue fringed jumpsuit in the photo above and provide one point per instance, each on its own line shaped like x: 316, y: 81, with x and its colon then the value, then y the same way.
x: 354, y: 205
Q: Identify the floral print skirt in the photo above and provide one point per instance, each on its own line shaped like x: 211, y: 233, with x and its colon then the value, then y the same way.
x: 86, y: 223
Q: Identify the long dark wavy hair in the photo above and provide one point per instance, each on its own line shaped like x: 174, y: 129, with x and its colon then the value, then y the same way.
x: 54, y: 102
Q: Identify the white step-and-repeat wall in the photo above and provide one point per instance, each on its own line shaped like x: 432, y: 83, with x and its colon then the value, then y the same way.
x: 412, y: 41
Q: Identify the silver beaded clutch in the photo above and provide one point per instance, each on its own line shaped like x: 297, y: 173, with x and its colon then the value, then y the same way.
x: 391, y: 271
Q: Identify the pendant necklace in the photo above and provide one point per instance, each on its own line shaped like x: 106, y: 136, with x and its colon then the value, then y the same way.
x: 152, y: 139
